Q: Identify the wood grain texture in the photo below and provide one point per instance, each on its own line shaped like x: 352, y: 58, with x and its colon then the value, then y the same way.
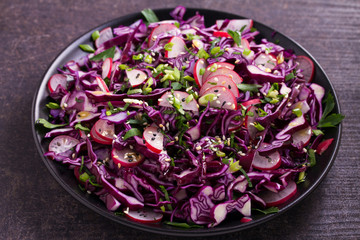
x: 33, y: 204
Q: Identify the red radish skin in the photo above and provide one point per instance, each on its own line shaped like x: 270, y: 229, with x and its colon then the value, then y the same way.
x: 56, y: 80
x: 323, y: 146
x: 177, y: 49
x: 307, y: 65
x: 251, y: 102
x: 270, y: 162
x: 200, y: 64
x: 144, y: 215
x: 220, y: 80
x: 214, y: 66
x: 106, y: 68
x: 181, y: 96
x: 102, y: 84
x: 246, y: 219
x: 221, y: 34
x: 224, y: 98
x: 154, y: 139
x: 136, y: 77
x: 227, y: 72
x: 98, y: 139
x: 302, y: 137
x: 245, y: 43
x: 126, y: 157
x: 166, y: 27
x: 275, y: 199
x: 103, y: 130
x: 105, y: 35
x: 62, y: 143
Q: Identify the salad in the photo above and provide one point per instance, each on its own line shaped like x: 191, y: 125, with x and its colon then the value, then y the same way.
x: 175, y: 122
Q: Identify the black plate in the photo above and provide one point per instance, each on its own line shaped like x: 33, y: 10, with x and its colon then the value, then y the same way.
x: 66, y: 178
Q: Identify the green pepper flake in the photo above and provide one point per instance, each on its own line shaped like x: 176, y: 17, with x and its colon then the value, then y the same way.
x: 53, y: 105
x: 84, y: 177
x: 123, y: 67
x: 148, y: 59
x: 177, y: 24
x: 297, y: 112
x: 312, y: 157
x: 220, y: 154
x: 87, y: 48
x: 317, y: 132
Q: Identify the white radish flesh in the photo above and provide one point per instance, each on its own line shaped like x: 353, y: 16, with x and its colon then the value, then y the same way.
x: 275, y: 199
x: 62, y: 143
x: 136, y: 77
x: 178, y: 47
x: 220, y: 80
x: 270, y: 162
x: 154, y: 139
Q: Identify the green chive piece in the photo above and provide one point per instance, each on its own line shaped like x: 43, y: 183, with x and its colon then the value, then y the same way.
x: 138, y: 57
x: 220, y: 154
x: 317, y: 132
x: 258, y: 126
x: 203, y: 100
x: 297, y: 112
x: 53, y: 105
x: 131, y: 133
x: 246, y: 52
x: 84, y: 177
x: 78, y: 126
x: 215, y: 50
x: 133, y: 91
x: 168, y: 46
x: 312, y: 157
x: 48, y: 125
x: 202, y: 71
x: 95, y: 35
x: 87, y: 48
x: 189, y: 98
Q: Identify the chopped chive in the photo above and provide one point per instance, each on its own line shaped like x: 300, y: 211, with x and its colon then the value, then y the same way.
x: 297, y: 112
x: 87, y: 48
x: 258, y: 126
x: 84, y: 177
x: 53, y: 105
x: 189, y: 98
x: 168, y: 46
x: 95, y: 35
x: 246, y: 52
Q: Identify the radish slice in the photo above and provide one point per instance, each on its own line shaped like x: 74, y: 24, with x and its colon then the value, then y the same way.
x: 227, y: 72
x: 200, y: 64
x: 323, y: 146
x: 144, y: 215
x: 214, y: 66
x: 102, y: 84
x: 62, y: 143
x: 249, y: 121
x: 221, y: 97
x: 126, y: 157
x: 154, y: 139
x: 245, y: 43
x: 266, y: 61
x: 106, y: 68
x: 302, y: 137
x: 170, y: 29
x: 56, y: 80
x: 197, y: 44
x: 307, y: 65
x: 221, y: 34
x: 104, y: 130
x: 270, y: 162
x: 181, y: 96
x: 294, y: 125
x: 235, y: 24
x: 302, y: 105
x: 136, y: 77
x: 246, y: 219
x: 262, y: 76
x: 178, y: 47
x: 220, y: 80
x: 251, y: 102
x: 105, y: 35
x: 275, y: 199
x: 96, y: 137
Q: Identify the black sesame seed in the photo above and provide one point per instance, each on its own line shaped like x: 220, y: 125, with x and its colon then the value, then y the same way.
x: 183, y: 100
x: 216, y: 90
x: 152, y: 139
x: 223, y: 103
x: 137, y: 76
x: 229, y: 87
x: 154, y: 134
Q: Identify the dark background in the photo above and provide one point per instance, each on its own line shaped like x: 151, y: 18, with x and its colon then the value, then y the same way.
x: 34, y: 206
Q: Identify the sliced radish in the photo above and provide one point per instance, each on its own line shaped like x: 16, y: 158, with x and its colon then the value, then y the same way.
x: 56, y: 80
x: 102, y: 84
x: 171, y: 29
x: 302, y: 105
x: 104, y: 131
x: 302, y: 137
x: 219, y: 97
x: 245, y: 43
x: 323, y: 146
x: 246, y: 219
x: 180, y: 96
x: 266, y: 61
x: 198, y: 44
x: 144, y: 215
x: 270, y: 162
x: 72, y: 66
x: 220, y: 80
x: 136, y: 77
x: 293, y: 126
x: 154, y: 139
x: 221, y: 34
x: 262, y: 76
x: 126, y: 157
x: 235, y: 24
x: 319, y: 91
x: 105, y: 35
x: 228, y: 72
x: 214, y: 66
x: 62, y: 143
x: 178, y: 47
x: 251, y: 102
x: 307, y: 65
x: 249, y: 121
x: 200, y: 64
x: 275, y: 199
x: 106, y: 68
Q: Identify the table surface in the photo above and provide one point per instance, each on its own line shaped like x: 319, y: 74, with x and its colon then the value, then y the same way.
x: 35, y: 206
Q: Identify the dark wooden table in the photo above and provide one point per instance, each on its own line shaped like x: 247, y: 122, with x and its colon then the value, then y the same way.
x: 32, y: 33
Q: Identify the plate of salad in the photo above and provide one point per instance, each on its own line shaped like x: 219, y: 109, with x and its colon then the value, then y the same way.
x: 187, y: 122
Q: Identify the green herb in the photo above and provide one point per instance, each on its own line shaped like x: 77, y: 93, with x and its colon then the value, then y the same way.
x: 131, y: 133
x: 168, y: 46
x: 297, y: 112
x: 134, y: 91
x: 317, y: 132
x: 289, y: 76
x: 116, y: 110
x: 82, y: 164
x: 258, y: 126
x: 202, y: 54
x: 188, y: 78
x: 249, y: 87
x: 238, y: 53
x: 246, y: 176
x: 330, y: 120
x: 189, y: 51
x: 166, y: 195
x: 92, y: 181
x: 87, y: 48
x: 177, y: 105
x: 253, y: 29
x: 84, y: 177
x: 177, y: 24
x: 191, y: 37
x: 148, y: 59
x: 189, y: 98
x: 268, y: 210
x: 176, y: 85
x: 312, y: 157
x: 202, y: 71
x: 246, y: 52
x: 78, y: 126
x: 301, y: 177
x: 48, y: 125
x: 108, y: 53
x: 149, y: 15
x: 261, y: 112
x: 123, y: 67
x: 95, y: 35
x: 250, y: 114
x: 203, y: 100
x: 79, y: 100
x: 236, y: 36
x: 234, y: 166
x: 183, y: 225
x: 215, y: 50
x: 220, y: 153
x: 53, y: 105
x: 138, y: 57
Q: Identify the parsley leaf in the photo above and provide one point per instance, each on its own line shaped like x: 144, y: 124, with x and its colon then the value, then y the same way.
x: 236, y: 36
x: 149, y: 15
x: 248, y: 87
x: 48, y: 125
x: 183, y: 225
x: 330, y: 120
x: 131, y: 133
x: 268, y: 210
x: 108, y: 53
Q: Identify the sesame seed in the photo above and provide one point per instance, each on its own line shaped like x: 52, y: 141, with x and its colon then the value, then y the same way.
x: 168, y: 125
x: 65, y: 105
x: 216, y: 79
x: 217, y: 101
x: 160, y: 125
x: 228, y: 103
x: 119, y: 165
x: 197, y: 105
x: 237, y: 61
x: 233, y: 106
x: 176, y: 138
x: 160, y: 100
x: 167, y: 160
x: 224, y: 138
x: 202, y: 62
x: 152, y: 54
x: 171, y: 102
x: 88, y: 135
x: 214, y: 98
x: 304, y: 150
x: 223, y: 82
x: 131, y: 147
x: 188, y: 89
x: 198, y: 148
x: 73, y: 155
x: 88, y: 192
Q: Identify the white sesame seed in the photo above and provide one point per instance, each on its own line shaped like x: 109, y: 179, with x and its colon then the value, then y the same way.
x: 228, y: 103
x: 171, y: 102
x: 65, y: 105
x: 197, y: 105
x: 304, y: 150
x: 224, y: 138
x: 217, y: 101
x: 214, y: 98
x: 88, y: 192
x: 216, y: 79
x: 233, y: 106
x: 167, y: 125
x: 88, y: 135
x: 152, y: 53
x: 119, y: 165
x: 167, y: 160
x: 176, y: 138
x: 237, y: 61
x: 198, y: 148
x: 73, y: 155
x: 160, y: 100
x: 188, y: 89
x: 131, y: 147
